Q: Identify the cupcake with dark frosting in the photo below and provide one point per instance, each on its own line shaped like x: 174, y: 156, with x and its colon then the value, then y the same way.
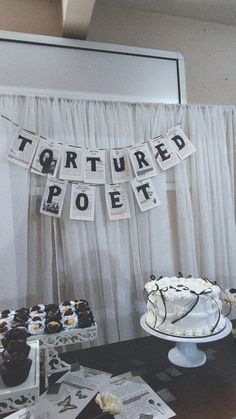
x: 7, y: 315
x: 16, y: 365
x: 69, y: 303
x: 21, y: 316
x: 81, y: 305
x: 85, y: 319
x: 53, y: 326
x: 38, y: 310
x: 67, y: 310
x: 36, y: 327
x: 4, y: 327
x: 51, y: 307
x: 70, y: 322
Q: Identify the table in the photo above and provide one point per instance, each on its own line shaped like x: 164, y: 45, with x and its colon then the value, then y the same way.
x: 206, y: 392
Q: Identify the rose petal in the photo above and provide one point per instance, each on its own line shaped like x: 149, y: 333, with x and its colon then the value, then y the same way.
x: 109, y: 403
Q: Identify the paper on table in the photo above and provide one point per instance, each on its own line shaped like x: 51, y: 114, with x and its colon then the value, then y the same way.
x: 75, y: 392
x: 138, y: 399
x: 96, y: 376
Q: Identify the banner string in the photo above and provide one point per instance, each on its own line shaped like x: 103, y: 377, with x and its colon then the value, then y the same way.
x: 17, y: 125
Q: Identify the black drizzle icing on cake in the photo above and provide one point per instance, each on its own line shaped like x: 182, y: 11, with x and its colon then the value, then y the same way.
x: 184, y: 306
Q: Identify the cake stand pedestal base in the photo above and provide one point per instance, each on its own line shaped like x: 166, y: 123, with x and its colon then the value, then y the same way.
x: 186, y: 353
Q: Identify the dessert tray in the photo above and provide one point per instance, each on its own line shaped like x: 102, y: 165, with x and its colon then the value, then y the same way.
x: 26, y: 394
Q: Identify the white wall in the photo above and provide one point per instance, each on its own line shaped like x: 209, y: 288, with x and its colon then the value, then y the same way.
x: 42, y: 17
x: 208, y: 48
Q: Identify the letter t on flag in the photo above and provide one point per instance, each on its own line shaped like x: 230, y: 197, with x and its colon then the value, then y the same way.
x: 145, y: 194
x: 22, y: 149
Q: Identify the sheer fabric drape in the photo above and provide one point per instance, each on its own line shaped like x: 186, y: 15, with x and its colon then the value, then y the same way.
x: 107, y: 262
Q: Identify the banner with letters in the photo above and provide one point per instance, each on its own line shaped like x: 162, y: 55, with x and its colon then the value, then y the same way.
x: 132, y: 166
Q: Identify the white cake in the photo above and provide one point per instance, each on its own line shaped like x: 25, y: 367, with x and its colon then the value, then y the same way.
x: 184, y: 306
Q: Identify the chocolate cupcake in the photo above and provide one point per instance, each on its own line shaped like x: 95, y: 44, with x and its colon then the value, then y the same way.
x: 67, y: 311
x: 85, y: 319
x: 38, y: 310
x: 16, y: 334
x: 81, y: 305
x: 21, y: 317
x: 53, y: 316
x: 51, y: 307
x: 36, y: 319
x: 23, y: 326
x: 69, y: 303
x: 17, y: 374
x: 22, y: 310
x: 70, y: 322
x: 53, y: 327
x: 7, y: 315
x: 16, y: 364
x: 3, y: 327
x: 36, y: 328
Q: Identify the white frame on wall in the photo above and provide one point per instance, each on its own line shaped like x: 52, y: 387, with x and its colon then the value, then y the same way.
x: 68, y: 61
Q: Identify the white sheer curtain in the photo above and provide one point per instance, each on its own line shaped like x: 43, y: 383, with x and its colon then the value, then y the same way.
x: 108, y: 262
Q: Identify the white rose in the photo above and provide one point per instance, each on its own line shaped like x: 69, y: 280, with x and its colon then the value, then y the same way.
x: 109, y: 403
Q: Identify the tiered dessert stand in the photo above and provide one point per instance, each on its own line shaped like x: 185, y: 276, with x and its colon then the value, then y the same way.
x: 48, y: 342
x: 42, y: 346
x: 186, y: 353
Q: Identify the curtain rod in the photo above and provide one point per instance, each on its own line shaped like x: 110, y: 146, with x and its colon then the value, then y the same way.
x: 61, y: 94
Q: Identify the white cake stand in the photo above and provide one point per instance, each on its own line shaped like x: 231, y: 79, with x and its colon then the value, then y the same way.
x: 186, y: 353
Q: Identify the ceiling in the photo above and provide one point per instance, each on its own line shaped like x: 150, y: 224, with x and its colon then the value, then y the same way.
x: 77, y: 14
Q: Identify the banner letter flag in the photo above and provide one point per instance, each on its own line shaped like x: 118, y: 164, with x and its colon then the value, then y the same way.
x: 145, y: 194
x: 72, y: 163
x: 82, y: 202
x: 47, y: 158
x: 87, y: 167
x: 142, y: 161
x: 180, y: 142
x: 117, y: 202
x: 94, y: 171
x: 164, y: 154
x: 22, y: 149
x: 53, y: 197
x: 121, y: 169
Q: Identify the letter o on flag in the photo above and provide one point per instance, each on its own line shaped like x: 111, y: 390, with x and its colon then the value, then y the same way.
x: 82, y: 201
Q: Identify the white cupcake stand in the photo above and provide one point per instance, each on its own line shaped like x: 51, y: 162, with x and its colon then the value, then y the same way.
x: 48, y: 343
x: 43, y: 346
x: 186, y: 353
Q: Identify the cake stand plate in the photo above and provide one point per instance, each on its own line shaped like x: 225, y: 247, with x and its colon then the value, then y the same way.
x: 186, y: 353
